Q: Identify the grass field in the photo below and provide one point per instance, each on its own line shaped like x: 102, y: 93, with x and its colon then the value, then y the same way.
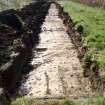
x: 93, y: 21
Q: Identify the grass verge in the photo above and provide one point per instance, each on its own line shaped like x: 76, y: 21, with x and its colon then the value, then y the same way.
x: 89, y: 101
x: 92, y: 19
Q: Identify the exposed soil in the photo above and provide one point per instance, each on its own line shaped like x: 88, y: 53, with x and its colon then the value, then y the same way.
x: 57, y: 70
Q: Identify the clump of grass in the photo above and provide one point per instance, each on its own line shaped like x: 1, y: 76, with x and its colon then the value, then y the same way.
x: 93, y: 21
x: 67, y: 102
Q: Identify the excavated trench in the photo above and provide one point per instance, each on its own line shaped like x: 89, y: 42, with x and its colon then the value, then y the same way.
x: 48, y: 64
x: 57, y: 71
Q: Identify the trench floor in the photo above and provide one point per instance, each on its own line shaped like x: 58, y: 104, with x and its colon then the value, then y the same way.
x: 57, y: 70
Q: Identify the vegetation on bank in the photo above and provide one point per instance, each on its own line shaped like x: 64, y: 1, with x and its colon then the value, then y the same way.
x: 92, y: 19
x: 89, y: 101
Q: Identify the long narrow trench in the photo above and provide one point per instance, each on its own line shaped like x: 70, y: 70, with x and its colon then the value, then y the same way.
x: 57, y: 70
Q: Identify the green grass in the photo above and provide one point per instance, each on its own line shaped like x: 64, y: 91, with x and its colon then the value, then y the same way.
x: 93, y: 21
x: 15, y: 4
x: 95, y: 101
